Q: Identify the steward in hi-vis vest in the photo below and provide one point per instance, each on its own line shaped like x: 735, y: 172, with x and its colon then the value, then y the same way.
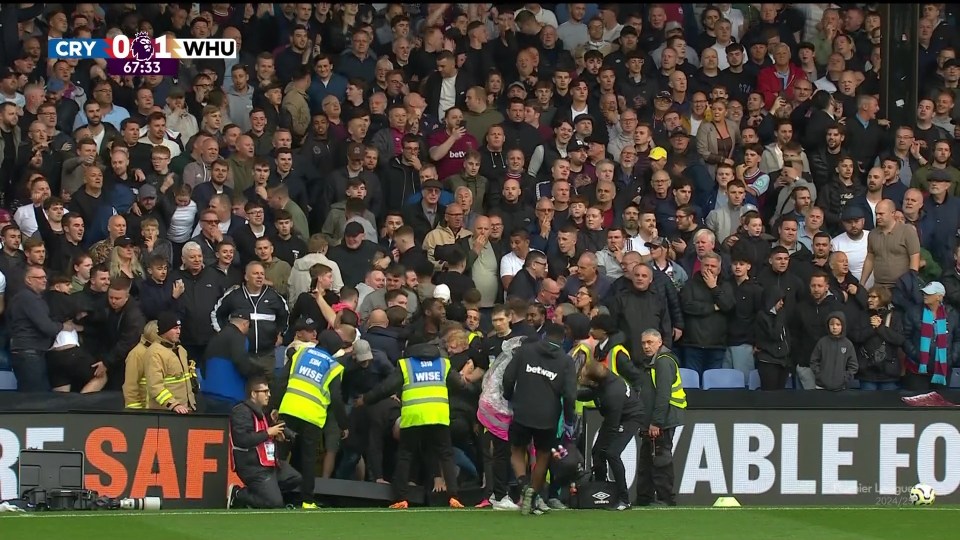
x: 664, y: 401
x: 422, y: 384
x: 309, y: 391
x: 253, y: 436
x: 611, y: 352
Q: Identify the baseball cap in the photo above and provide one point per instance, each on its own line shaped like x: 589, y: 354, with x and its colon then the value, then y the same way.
x: 658, y: 153
x: 952, y: 62
x: 355, y: 152
x: 176, y: 92
x: 679, y: 132
x: 241, y: 314
x: 352, y: 229
x: 147, y: 192
x: 442, y: 292
x: 518, y: 84
x: 167, y: 321
x: 123, y: 242
x: 6, y: 72
x: 934, y: 287
x: 362, y: 351
x: 659, y: 241
x: 597, y: 137
x: 304, y: 323
x: 663, y: 94
x: 582, y: 117
x: 671, y: 26
x: 628, y: 31
x: 852, y: 212
x: 576, y: 144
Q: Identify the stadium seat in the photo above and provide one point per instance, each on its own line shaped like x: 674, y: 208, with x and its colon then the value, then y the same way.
x: 723, y: 378
x: 954, y: 378
x: 789, y: 385
x: 753, y: 383
x: 7, y: 381
x: 689, y: 378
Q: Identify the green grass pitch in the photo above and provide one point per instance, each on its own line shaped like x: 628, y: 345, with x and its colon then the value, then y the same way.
x: 834, y: 523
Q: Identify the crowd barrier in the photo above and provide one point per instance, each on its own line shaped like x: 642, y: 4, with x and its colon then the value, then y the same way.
x: 768, y: 456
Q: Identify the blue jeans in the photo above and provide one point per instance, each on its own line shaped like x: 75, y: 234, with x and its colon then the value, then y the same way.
x: 30, y: 369
x: 700, y: 359
x: 740, y: 357
x: 870, y: 385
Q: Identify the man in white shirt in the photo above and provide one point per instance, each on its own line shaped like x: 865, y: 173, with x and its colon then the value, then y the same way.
x: 544, y: 16
x: 26, y: 216
x: 512, y: 262
x: 853, y: 242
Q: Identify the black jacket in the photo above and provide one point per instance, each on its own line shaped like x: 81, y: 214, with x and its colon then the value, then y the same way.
x: 742, y: 319
x: 400, y: 181
x: 123, y: 331
x: 200, y: 295
x: 834, y: 197
x: 268, y: 315
x: 788, y: 282
x: 705, y: 310
x: 772, y: 332
x: 534, y: 383
x: 636, y: 311
x: 877, y: 348
x: 245, y: 438
x: 810, y: 324
x: 388, y: 340
x: 616, y: 401
x: 414, y: 216
x: 29, y: 323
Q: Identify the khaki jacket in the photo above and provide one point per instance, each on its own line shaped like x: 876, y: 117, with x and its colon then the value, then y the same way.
x: 169, y: 377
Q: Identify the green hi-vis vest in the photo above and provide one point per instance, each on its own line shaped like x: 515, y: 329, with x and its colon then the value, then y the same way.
x: 424, y: 400
x: 678, y: 398
x: 308, y: 391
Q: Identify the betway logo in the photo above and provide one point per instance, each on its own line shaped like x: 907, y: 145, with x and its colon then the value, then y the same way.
x: 540, y: 371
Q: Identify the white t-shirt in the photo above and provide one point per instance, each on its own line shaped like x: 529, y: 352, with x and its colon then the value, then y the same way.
x: 856, y: 251
x: 3, y: 283
x: 448, y: 95
x: 510, y: 264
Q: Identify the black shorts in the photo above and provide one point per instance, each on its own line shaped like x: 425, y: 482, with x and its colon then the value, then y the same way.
x: 543, y: 439
x: 70, y: 367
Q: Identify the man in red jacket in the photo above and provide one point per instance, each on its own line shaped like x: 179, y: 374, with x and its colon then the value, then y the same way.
x: 778, y: 79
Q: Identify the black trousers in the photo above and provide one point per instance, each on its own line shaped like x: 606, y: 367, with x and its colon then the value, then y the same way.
x: 772, y: 376
x: 606, y: 451
x: 434, y: 440
x: 266, y: 487
x: 496, y: 465
x: 304, y: 453
x: 655, y: 477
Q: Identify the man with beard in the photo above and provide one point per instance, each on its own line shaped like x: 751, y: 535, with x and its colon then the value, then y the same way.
x: 427, y: 329
x: 811, y: 312
x: 853, y: 241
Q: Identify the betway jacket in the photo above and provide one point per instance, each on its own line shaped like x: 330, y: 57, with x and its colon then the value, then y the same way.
x: 534, y: 383
x: 268, y: 315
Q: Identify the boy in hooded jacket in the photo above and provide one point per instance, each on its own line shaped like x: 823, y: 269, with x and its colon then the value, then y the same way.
x: 834, y: 360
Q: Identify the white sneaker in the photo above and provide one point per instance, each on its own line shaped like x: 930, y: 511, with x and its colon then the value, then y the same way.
x: 504, y: 504
x: 541, y: 504
x: 556, y: 504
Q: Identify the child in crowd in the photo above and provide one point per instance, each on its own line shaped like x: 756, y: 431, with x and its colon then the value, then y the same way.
x: 834, y: 361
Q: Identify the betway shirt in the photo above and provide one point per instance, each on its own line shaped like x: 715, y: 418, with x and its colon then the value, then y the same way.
x: 452, y: 163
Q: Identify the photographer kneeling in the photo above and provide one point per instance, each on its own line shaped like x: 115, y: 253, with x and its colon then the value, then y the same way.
x: 266, y: 479
x: 622, y: 413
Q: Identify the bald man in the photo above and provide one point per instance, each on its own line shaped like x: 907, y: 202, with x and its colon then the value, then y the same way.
x: 892, y: 248
x: 382, y: 337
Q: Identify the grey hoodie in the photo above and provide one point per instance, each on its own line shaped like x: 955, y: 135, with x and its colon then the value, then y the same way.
x: 240, y: 104
x: 834, y: 360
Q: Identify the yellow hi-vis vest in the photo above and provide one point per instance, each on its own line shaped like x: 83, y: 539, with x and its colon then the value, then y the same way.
x: 424, y: 400
x: 678, y: 398
x: 588, y: 357
x: 473, y: 336
x: 612, y: 358
x: 308, y: 390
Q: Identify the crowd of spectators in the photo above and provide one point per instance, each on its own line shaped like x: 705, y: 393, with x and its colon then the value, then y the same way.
x: 462, y: 173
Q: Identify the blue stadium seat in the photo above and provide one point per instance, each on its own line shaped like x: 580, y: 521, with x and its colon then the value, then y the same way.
x: 954, y: 378
x: 723, y: 378
x: 7, y: 381
x: 689, y: 378
x: 754, y: 382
